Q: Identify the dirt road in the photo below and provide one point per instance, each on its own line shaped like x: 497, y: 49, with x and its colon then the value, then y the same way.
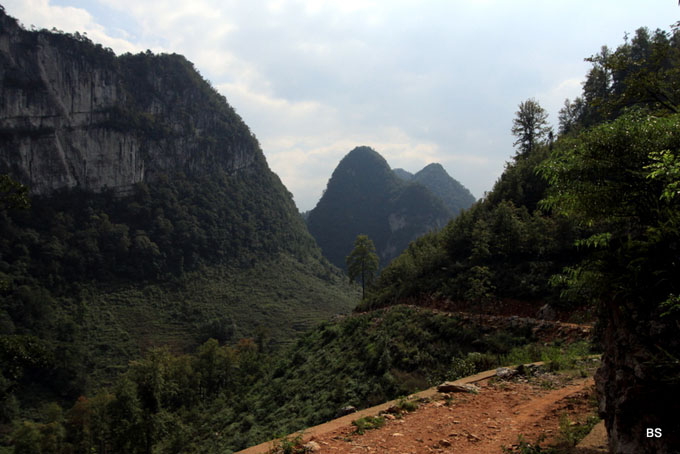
x: 473, y: 423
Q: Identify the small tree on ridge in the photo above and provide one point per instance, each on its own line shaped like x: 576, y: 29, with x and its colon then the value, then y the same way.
x: 362, y: 262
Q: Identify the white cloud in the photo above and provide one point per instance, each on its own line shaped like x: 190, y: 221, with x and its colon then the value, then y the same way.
x: 68, y: 19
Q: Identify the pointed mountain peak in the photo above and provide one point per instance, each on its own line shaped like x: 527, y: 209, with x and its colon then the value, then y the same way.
x: 364, y: 196
x: 456, y: 197
x: 363, y: 156
x: 433, y: 167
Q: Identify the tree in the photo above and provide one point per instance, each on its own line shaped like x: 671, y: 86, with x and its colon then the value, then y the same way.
x: 530, y: 126
x: 571, y: 115
x: 13, y: 195
x: 597, y: 87
x: 619, y: 179
x: 641, y: 74
x: 362, y: 262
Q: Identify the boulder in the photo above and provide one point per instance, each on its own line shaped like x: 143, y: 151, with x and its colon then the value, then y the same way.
x: 345, y: 411
x: 546, y: 312
x: 312, y: 446
x: 505, y: 373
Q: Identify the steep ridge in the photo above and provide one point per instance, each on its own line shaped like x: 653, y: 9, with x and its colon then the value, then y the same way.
x: 364, y: 196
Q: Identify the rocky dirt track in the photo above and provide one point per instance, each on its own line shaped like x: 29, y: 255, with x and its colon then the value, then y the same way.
x: 473, y: 423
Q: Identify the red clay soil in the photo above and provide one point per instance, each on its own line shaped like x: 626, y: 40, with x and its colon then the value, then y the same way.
x: 473, y: 423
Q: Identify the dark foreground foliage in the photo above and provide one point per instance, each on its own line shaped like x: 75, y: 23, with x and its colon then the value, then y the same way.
x: 226, y: 397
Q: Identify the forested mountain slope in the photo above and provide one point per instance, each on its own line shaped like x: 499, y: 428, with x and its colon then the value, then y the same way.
x: 364, y: 197
x: 153, y: 220
x: 455, y: 196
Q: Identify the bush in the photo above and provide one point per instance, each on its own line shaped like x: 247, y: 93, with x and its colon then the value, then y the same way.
x: 368, y: 423
x: 287, y: 445
x: 473, y: 363
x: 406, y: 405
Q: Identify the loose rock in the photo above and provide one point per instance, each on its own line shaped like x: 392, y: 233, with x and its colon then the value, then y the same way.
x: 505, y: 373
x: 345, y: 411
x: 312, y: 446
x: 448, y: 387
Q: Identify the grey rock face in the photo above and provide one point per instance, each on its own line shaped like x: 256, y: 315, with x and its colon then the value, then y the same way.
x: 72, y: 114
x: 638, y: 384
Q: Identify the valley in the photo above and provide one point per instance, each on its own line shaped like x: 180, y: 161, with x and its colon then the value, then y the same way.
x: 160, y: 292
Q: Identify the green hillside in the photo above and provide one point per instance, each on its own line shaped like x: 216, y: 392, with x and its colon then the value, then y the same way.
x: 155, y: 221
x: 224, y: 398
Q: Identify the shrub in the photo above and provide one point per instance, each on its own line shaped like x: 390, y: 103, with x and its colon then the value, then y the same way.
x: 404, y: 404
x: 287, y: 445
x: 368, y: 423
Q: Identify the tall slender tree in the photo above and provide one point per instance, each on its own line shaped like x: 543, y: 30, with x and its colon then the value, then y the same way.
x: 362, y: 262
x: 530, y: 126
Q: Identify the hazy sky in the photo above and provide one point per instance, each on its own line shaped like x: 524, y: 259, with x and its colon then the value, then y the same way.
x: 419, y: 81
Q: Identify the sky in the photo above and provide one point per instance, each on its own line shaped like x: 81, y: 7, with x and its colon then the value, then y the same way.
x: 418, y: 81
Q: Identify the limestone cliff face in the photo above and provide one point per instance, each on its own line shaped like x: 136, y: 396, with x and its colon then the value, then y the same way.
x: 72, y: 114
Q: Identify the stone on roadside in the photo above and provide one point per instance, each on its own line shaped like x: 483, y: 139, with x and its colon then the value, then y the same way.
x: 345, y: 411
x: 504, y: 373
x: 546, y: 312
x: 312, y: 446
x: 449, y: 387
x: 473, y: 437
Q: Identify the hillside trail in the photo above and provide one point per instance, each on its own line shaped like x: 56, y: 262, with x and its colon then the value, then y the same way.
x: 510, y: 313
x: 463, y: 423
x: 471, y: 423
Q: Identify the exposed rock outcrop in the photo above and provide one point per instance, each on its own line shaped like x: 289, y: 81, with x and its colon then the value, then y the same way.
x: 638, y: 382
x: 72, y: 114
